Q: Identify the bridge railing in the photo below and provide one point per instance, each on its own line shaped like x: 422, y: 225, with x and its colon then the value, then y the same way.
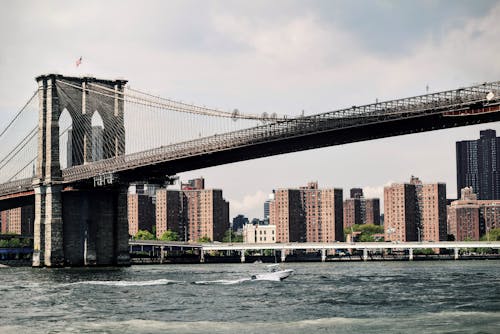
x: 16, y: 186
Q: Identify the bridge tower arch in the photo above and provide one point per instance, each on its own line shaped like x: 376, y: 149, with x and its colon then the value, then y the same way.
x: 80, y: 96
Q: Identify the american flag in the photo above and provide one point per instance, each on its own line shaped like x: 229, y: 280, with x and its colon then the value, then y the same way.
x: 79, y: 62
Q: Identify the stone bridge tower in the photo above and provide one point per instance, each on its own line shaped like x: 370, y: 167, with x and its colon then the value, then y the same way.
x: 57, y: 93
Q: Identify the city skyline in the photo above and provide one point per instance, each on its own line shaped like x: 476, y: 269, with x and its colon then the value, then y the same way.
x: 283, y: 57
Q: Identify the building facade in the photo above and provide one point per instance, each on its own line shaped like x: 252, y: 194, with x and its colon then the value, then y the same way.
x: 478, y: 164
x: 415, y: 211
x: 470, y: 218
x: 18, y: 220
x: 307, y: 214
x: 141, y: 213
x: 193, y: 212
x: 360, y: 210
x: 259, y: 234
x: 169, y: 213
x: 286, y: 214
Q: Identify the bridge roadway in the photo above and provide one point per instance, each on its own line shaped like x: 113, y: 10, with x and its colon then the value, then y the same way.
x: 461, y: 107
x: 323, y: 247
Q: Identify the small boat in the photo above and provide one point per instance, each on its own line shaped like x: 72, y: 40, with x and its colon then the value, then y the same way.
x: 275, y: 273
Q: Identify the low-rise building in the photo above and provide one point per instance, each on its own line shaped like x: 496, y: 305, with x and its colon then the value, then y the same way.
x: 259, y: 234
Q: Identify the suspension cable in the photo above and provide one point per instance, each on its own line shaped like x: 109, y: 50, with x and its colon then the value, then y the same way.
x: 19, y: 113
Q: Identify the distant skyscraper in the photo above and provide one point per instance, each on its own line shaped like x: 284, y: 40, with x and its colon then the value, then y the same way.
x: 266, y: 211
x: 478, y: 164
x: 238, y: 222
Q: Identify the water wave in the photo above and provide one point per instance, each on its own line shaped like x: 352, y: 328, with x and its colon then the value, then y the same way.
x: 486, y: 324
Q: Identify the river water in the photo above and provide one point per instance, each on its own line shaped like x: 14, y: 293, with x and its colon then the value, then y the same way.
x: 371, y: 297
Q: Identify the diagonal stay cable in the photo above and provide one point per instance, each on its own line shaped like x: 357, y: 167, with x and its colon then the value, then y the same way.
x: 23, y: 142
x: 18, y: 114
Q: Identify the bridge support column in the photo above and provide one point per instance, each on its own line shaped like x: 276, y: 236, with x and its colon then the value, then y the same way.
x: 365, y: 254
x: 121, y: 229
x: 39, y: 227
x: 456, y: 256
x: 242, y: 256
x: 410, y: 254
x: 54, y: 251
x: 323, y: 255
x: 283, y: 255
x: 202, y: 255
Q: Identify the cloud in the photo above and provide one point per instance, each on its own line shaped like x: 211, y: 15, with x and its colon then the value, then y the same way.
x: 251, y: 205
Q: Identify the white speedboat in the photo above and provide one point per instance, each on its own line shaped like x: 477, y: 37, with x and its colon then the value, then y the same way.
x: 275, y: 273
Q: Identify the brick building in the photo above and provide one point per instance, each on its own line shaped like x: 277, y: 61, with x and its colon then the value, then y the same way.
x: 307, y: 214
x: 415, y: 211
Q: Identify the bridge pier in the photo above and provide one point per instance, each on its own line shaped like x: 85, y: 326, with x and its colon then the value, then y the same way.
x: 323, y: 255
x: 121, y: 229
x: 54, y: 252
x: 456, y: 255
x: 39, y: 227
x: 410, y: 254
x: 202, y: 256
x: 365, y: 254
x: 283, y: 255
x: 242, y: 256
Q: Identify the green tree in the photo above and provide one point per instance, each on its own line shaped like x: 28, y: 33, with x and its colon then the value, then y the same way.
x: 204, y: 239
x: 450, y: 237
x: 423, y: 251
x: 169, y: 235
x: 367, y: 231
x: 365, y: 237
x: 14, y: 243
x: 4, y: 243
x: 144, y: 235
x: 492, y: 235
x: 230, y: 236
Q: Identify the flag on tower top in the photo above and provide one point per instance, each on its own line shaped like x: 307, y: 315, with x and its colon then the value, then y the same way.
x: 79, y: 62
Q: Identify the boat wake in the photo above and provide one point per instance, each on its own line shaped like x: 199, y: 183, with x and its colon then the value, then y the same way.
x: 224, y: 281
x: 129, y: 283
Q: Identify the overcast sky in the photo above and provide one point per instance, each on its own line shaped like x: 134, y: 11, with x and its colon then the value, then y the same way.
x: 270, y: 56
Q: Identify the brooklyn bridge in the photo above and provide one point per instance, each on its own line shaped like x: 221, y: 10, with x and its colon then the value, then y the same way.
x: 76, y: 145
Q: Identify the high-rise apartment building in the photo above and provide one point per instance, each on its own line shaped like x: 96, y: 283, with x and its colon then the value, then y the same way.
x: 470, y: 218
x: 360, y: 210
x: 478, y: 164
x: 207, y: 214
x: 170, y: 213
x: 286, y: 214
x: 433, y: 212
x: 307, y: 214
x: 193, y: 212
x: 18, y: 220
x: 372, y: 211
x: 141, y: 208
x: 415, y: 211
x: 140, y: 213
